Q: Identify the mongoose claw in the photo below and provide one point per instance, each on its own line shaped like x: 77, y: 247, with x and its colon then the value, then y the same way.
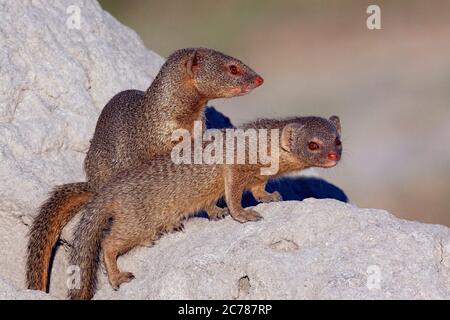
x: 247, y: 215
x: 178, y: 227
x: 270, y: 197
x: 218, y: 214
x: 121, y: 278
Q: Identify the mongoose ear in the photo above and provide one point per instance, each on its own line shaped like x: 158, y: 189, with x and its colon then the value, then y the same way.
x: 336, y: 122
x: 286, y: 135
x: 194, y: 59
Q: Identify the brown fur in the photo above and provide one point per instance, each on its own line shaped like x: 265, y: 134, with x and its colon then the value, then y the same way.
x: 54, y: 214
x: 134, y: 127
x: 139, y: 205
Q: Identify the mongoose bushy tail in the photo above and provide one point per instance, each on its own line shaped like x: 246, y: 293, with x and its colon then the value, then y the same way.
x: 154, y: 198
x: 88, y: 243
x: 63, y: 203
x: 136, y: 126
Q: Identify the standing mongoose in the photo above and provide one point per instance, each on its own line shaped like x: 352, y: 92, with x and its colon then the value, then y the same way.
x: 140, y: 204
x: 132, y: 128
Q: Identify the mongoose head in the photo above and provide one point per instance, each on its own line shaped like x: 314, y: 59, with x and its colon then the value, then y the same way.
x: 314, y: 141
x: 217, y: 75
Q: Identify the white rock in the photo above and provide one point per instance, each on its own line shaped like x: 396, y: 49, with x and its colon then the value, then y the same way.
x: 10, y: 292
x: 54, y: 81
x: 314, y: 249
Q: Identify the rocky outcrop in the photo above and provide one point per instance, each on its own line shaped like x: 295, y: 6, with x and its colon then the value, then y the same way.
x: 11, y: 292
x: 314, y: 249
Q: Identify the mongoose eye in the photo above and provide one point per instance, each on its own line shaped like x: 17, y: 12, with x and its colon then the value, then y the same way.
x: 234, y: 70
x: 338, y: 142
x: 313, y: 146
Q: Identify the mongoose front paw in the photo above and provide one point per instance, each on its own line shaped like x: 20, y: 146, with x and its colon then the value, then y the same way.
x: 246, y: 215
x: 218, y: 213
x: 269, y: 197
x: 121, y: 278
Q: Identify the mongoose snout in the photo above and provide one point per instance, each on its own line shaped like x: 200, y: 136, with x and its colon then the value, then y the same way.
x: 257, y: 81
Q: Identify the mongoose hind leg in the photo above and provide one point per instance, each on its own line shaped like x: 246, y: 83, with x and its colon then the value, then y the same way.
x: 216, y: 213
x: 261, y: 195
x: 111, y: 250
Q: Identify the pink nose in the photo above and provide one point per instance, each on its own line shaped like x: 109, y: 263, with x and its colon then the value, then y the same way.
x: 258, y: 81
x: 332, y: 156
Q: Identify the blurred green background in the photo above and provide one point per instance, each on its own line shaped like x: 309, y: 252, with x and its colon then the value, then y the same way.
x: 391, y: 87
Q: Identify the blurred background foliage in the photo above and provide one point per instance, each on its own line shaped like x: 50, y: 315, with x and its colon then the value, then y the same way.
x: 391, y: 87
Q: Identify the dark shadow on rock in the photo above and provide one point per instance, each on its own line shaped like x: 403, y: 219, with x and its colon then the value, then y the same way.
x: 216, y: 120
x: 299, y: 188
x: 290, y: 188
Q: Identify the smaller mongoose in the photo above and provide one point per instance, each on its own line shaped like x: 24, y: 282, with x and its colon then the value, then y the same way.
x: 134, y: 127
x: 139, y: 205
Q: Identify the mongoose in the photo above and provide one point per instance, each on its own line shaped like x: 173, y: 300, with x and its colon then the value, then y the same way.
x: 133, y: 127
x: 139, y: 205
